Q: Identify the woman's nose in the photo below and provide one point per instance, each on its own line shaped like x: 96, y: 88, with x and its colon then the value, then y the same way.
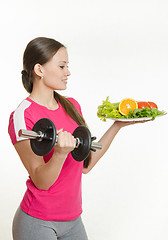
x: 68, y: 72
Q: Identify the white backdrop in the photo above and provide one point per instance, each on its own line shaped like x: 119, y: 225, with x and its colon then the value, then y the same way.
x: 117, y: 48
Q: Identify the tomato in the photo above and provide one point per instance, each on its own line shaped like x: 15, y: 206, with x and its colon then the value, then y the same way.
x: 143, y: 105
x: 152, y: 105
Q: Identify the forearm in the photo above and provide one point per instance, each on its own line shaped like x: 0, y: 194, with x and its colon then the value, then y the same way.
x: 45, y: 175
x: 106, y: 141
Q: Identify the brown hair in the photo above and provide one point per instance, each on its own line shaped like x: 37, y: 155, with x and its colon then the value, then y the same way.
x: 41, y: 50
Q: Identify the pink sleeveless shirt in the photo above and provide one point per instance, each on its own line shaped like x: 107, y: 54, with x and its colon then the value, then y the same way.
x: 63, y: 200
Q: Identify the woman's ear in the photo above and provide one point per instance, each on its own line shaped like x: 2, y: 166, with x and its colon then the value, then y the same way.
x: 38, y: 70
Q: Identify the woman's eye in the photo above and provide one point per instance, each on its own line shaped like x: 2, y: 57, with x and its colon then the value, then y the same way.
x: 64, y: 67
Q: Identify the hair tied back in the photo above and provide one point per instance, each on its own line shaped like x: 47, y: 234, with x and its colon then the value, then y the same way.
x: 24, y: 73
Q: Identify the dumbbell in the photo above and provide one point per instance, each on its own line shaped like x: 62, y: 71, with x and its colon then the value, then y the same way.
x: 44, y: 136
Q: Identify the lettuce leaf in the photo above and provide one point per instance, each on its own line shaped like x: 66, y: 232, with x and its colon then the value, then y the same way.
x: 145, y: 112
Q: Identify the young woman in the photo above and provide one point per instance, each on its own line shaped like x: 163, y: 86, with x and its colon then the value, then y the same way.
x: 52, y: 204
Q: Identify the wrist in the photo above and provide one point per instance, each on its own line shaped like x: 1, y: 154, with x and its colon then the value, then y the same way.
x: 60, y: 155
x: 118, y: 125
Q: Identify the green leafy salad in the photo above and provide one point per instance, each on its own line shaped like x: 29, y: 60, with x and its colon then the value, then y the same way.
x: 111, y: 110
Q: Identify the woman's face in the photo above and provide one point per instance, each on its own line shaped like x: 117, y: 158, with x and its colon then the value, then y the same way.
x: 55, y: 72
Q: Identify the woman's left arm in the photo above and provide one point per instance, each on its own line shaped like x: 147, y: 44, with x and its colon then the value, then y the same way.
x: 106, y: 141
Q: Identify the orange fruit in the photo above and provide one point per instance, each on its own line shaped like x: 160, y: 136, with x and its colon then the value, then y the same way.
x: 126, y: 105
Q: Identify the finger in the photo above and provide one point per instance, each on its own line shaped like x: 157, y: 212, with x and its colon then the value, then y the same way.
x: 60, y: 130
x: 144, y: 121
x: 74, y: 141
x: 71, y: 139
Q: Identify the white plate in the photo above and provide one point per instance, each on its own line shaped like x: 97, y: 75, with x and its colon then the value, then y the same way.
x: 135, y: 119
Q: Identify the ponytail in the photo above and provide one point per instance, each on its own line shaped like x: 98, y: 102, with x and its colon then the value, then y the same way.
x: 27, y: 82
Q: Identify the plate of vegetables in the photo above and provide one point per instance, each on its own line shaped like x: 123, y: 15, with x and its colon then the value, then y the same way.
x: 128, y: 109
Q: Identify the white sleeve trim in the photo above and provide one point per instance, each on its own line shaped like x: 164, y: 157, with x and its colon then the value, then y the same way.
x: 19, y: 119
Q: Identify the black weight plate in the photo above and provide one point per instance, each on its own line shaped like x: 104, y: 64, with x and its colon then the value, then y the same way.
x: 82, y: 152
x: 44, y: 146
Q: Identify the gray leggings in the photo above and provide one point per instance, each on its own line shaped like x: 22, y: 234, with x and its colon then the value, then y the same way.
x: 26, y: 227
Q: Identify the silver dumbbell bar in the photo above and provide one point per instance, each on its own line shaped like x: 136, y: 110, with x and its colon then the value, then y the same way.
x: 40, y: 136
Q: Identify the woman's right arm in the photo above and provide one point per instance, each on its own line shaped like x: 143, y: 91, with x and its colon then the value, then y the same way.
x: 44, y: 174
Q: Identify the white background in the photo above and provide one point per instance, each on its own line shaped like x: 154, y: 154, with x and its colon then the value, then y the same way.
x: 118, y: 49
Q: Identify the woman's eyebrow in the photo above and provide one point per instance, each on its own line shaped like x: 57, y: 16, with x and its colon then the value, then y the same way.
x: 64, y: 61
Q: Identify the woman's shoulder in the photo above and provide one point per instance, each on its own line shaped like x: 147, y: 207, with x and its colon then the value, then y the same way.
x: 20, y: 118
x: 72, y: 100
x: 75, y: 103
x: 22, y: 106
x: 22, y: 110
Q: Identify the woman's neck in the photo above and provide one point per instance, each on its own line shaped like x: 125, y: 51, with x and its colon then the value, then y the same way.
x: 44, y: 98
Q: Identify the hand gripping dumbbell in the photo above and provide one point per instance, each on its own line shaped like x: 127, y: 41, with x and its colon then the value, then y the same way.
x: 44, y: 136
